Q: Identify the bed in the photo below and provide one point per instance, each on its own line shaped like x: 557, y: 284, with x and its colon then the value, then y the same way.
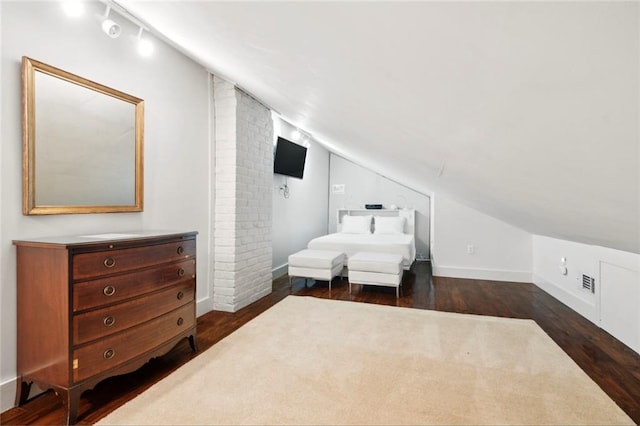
x: 377, y: 231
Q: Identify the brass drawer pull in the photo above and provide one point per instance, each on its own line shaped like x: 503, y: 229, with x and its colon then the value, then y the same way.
x: 180, y: 250
x: 109, y: 353
x: 109, y: 262
x: 180, y: 321
x: 109, y: 290
x: 180, y: 295
x: 109, y: 321
x: 180, y: 272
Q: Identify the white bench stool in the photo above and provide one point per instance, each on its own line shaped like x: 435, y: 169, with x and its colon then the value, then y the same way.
x: 317, y: 264
x: 376, y: 269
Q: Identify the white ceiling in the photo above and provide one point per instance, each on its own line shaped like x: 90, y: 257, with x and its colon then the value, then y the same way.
x: 528, y: 112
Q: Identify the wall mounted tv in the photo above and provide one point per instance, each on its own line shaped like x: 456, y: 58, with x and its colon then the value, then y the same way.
x: 289, y: 158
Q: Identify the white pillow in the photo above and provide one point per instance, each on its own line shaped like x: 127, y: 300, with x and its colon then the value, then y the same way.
x: 356, y: 224
x: 389, y: 225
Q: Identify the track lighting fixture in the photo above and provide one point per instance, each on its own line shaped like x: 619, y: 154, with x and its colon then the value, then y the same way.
x: 110, y: 28
x: 145, y: 47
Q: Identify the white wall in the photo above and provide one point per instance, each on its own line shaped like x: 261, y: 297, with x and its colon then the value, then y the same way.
x: 303, y: 216
x: 615, y: 305
x: 500, y: 251
x: 503, y: 252
x: 364, y: 186
x: 176, y: 152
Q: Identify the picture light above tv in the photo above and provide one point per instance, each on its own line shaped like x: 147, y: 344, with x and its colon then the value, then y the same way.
x: 289, y: 158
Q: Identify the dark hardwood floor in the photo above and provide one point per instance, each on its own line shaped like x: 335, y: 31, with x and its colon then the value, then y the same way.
x: 608, y: 362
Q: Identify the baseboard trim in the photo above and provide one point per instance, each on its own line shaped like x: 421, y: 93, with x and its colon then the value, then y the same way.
x: 7, y: 394
x: 482, y: 274
x: 203, y: 306
x: 279, y: 271
x: 584, y: 308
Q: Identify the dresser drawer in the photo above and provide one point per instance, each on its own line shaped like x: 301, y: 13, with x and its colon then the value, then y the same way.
x: 95, y: 264
x: 119, y: 348
x: 91, y: 325
x: 95, y: 293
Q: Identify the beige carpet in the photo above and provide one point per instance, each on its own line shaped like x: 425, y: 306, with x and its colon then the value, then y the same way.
x: 315, y: 361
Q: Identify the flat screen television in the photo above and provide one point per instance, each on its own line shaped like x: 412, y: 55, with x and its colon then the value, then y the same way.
x: 289, y: 158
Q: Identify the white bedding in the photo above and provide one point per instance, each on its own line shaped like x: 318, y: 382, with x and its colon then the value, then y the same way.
x: 350, y: 244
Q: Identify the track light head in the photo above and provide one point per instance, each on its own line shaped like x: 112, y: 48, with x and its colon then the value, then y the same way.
x: 109, y: 27
x: 145, y: 47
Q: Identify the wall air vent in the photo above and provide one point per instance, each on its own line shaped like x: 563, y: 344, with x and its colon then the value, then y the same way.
x: 588, y: 283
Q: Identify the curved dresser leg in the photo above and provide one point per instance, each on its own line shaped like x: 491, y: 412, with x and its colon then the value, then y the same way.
x: 193, y: 343
x: 71, y: 400
x: 22, y: 391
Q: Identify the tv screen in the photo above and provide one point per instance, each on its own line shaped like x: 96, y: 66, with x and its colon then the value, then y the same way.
x: 289, y: 158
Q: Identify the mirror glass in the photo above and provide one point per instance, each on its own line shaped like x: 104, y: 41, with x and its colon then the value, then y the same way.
x: 82, y: 144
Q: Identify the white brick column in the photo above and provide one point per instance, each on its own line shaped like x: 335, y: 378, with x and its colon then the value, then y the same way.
x: 242, y: 217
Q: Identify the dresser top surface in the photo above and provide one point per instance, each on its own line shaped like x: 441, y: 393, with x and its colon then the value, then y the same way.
x: 97, y: 238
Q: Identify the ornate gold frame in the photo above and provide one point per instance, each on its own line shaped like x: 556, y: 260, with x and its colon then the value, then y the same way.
x: 29, y: 67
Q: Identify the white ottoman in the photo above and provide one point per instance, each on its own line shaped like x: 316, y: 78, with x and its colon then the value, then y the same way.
x: 317, y: 264
x: 376, y: 269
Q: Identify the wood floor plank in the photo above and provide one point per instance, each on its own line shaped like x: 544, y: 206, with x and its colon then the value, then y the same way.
x: 612, y: 365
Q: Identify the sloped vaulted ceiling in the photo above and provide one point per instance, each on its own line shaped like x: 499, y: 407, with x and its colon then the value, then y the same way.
x: 527, y: 111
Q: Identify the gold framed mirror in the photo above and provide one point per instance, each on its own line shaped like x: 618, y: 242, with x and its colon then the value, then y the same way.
x: 82, y: 144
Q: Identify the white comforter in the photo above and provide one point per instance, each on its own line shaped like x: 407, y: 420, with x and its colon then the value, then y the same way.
x: 350, y: 244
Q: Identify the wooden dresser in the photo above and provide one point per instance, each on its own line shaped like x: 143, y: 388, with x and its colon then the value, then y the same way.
x: 97, y: 306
